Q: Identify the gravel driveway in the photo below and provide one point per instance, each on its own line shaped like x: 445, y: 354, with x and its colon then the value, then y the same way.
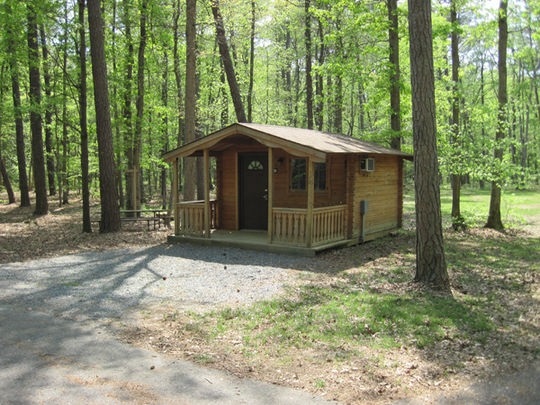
x: 108, y: 285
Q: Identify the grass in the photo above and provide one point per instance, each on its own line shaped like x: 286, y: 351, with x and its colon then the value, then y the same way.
x: 355, y: 312
x: 516, y: 206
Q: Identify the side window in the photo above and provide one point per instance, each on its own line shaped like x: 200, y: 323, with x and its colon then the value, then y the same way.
x: 298, y: 175
x: 320, y: 176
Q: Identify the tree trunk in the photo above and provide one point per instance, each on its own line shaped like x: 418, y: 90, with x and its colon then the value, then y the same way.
x: 165, y: 102
x: 127, y: 113
x: 6, y: 181
x: 17, y: 112
x: 110, y: 211
x: 395, y: 75
x: 38, y: 158
x: 190, y: 164
x: 83, y: 122
x: 251, y: 62
x: 137, y: 191
x: 51, y: 169
x: 309, y: 77
x: 430, y: 258
x: 457, y: 221
x: 227, y: 63
x: 494, y: 218
x: 319, y: 81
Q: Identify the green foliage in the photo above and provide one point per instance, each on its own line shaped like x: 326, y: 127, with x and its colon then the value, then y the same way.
x: 351, y: 76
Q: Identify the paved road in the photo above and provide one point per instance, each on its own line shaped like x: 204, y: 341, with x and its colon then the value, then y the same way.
x: 50, y: 360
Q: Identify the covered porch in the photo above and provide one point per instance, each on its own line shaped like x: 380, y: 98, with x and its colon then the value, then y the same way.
x: 292, y: 230
x: 253, y: 204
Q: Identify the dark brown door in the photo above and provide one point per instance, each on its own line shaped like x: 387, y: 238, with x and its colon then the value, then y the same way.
x: 253, y: 190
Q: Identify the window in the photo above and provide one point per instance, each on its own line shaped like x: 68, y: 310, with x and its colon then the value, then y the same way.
x: 298, y: 175
x: 320, y: 176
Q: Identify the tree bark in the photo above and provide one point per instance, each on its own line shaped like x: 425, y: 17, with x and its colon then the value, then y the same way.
x: 494, y: 220
x: 430, y: 258
x: 83, y: 122
x: 51, y: 169
x: 309, y: 77
x: 228, y: 64
x: 127, y: 112
x: 190, y: 164
x: 251, y: 62
x: 38, y: 158
x: 110, y: 211
x: 137, y: 191
x: 6, y: 181
x: 17, y: 112
x: 457, y: 220
x: 395, y: 74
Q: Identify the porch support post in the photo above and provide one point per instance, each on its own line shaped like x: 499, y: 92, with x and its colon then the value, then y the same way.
x: 270, y: 193
x: 310, y: 200
x: 175, y: 181
x: 206, y: 194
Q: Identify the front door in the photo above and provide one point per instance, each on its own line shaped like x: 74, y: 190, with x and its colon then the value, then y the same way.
x: 253, y: 189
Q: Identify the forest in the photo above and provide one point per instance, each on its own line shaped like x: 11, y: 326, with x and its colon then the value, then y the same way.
x: 174, y: 70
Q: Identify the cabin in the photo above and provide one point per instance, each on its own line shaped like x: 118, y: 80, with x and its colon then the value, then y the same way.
x: 289, y: 190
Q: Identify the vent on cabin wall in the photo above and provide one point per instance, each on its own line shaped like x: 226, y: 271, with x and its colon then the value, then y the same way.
x: 367, y: 164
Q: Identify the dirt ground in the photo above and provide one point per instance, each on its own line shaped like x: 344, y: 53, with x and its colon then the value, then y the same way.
x: 375, y: 376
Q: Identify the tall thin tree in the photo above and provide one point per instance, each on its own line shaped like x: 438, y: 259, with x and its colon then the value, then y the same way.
x: 12, y: 46
x: 110, y: 210
x: 395, y: 74
x: 228, y: 65
x: 430, y: 258
x: 457, y: 220
x: 83, y: 121
x: 38, y: 157
x: 309, y: 62
x: 494, y: 220
x: 190, y: 164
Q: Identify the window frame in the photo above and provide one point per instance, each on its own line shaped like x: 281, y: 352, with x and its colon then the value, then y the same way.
x: 300, y: 184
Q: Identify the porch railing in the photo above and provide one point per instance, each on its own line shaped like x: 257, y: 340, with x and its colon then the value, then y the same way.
x: 191, y: 217
x: 290, y: 225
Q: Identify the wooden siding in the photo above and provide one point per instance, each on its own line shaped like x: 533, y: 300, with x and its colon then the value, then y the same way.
x: 228, y: 195
x: 380, y: 189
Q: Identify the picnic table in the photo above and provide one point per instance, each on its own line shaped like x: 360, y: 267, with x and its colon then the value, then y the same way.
x: 158, y: 215
x: 142, y: 215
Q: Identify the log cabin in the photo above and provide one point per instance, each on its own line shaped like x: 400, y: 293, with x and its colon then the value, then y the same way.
x: 286, y: 189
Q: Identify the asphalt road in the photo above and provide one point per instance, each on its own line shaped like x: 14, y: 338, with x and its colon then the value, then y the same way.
x: 50, y: 360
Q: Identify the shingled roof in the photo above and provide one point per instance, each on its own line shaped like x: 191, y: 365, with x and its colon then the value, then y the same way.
x: 295, y: 140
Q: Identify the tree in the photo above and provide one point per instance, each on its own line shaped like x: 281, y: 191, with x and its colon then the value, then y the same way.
x: 83, y: 121
x: 51, y: 169
x: 494, y: 218
x: 190, y: 166
x: 38, y: 158
x: 309, y: 77
x: 12, y: 46
x: 228, y: 64
x: 457, y: 220
x: 430, y: 258
x: 110, y: 211
x: 395, y: 74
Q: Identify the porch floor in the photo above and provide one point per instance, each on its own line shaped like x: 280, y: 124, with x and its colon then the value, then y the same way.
x: 255, y: 240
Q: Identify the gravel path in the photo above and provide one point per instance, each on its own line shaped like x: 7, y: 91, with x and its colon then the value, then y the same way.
x: 106, y: 285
